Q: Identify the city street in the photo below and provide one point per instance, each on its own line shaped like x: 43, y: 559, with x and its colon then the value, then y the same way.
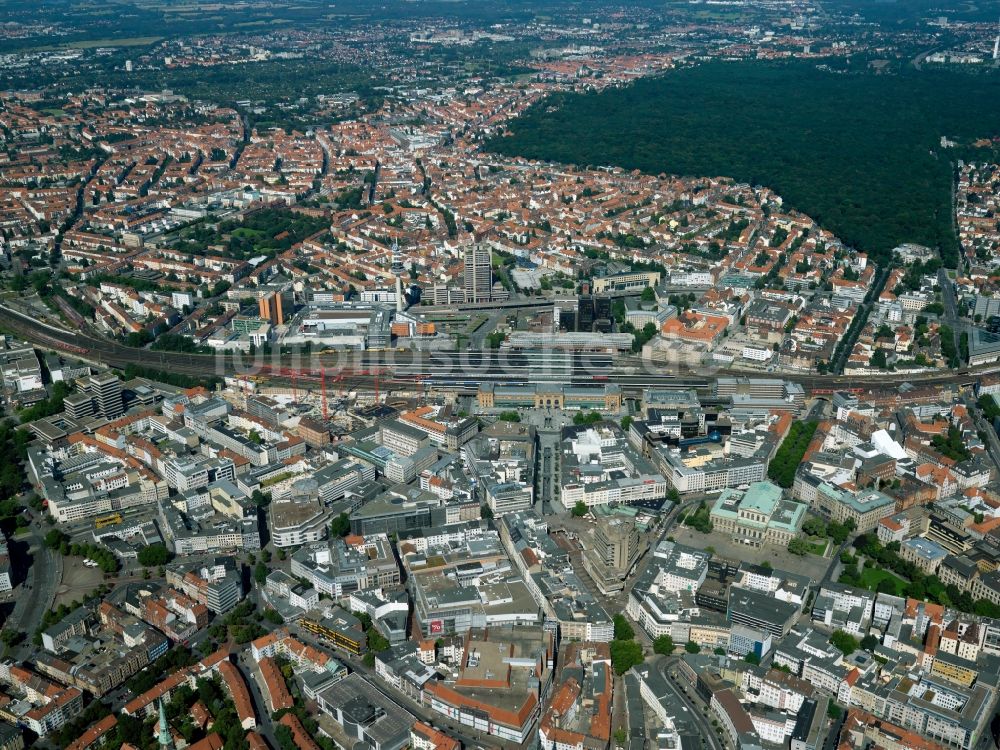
x: 693, y: 710
x: 951, y: 316
x: 469, y: 737
x: 35, y: 595
x: 265, y: 727
x: 992, y: 441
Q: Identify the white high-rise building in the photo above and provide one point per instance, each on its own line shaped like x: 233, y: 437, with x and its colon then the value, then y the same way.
x: 478, y: 273
x: 398, y: 270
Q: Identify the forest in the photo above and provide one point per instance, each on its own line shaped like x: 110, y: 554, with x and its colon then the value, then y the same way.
x: 860, y: 153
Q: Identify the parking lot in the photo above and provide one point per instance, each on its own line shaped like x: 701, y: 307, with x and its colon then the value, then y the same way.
x: 78, y: 580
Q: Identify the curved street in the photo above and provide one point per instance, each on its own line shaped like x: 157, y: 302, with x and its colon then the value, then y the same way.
x: 690, y: 710
x: 37, y: 592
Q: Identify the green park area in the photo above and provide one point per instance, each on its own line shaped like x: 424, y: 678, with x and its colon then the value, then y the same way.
x: 875, y: 579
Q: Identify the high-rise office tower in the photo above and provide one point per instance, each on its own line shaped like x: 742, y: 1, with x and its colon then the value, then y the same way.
x: 106, y: 389
x: 397, y: 271
x: 271, y: 309
x: 616, y: 543
x: 478, y: 273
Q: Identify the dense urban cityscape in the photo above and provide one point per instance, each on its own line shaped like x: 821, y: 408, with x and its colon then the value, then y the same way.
x: 454, y: 376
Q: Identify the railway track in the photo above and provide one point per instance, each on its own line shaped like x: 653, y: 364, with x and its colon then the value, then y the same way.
x: 436, y: 370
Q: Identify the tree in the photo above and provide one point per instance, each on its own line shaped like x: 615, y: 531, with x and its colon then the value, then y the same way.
x: 839, y: 532
x: 260, y: 499
x: 648, y: 294
x: 376, y: 641
x: 245, y: 633
x: 692, y: 648
x: 580, y: 509
x: 486, y: 512
x: 886, y: 586
x: 752, y: 658
x: 814, y: 526
x: 700, y: 519
x: 664, y: 644
x: 786, y: 460
x: 623, y: 630
x: 260, y: 573
x: 154, y: 555
x: 952, y: 446
x: 625, y: 655
x: 54, y: 539
x: 869, y: 642
x: 48, y: 407
x: 626, y: 423
x: 365, y: 619
x: 137, y: 339
x: 284, y: 735
x: 798, y: 546
x: 585, y: 420
x: 621, y: 736
x: 844, y: 642
x: 341, y: 525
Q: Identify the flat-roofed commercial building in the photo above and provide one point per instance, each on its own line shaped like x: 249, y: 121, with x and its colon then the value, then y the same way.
x: 503, y: 678
x: 366, y: 714
x: 624, y: 282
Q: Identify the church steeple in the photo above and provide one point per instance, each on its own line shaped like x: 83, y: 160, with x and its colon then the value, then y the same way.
x: 163, y: 737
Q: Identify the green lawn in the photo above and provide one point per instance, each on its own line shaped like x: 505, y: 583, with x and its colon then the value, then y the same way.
x: 872, y: 577
x: 817, y: 546
x: 247, y: 232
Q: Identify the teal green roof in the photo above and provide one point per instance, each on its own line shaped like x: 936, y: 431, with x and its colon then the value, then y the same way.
x: 761, y: 497
x: 764, y: 498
